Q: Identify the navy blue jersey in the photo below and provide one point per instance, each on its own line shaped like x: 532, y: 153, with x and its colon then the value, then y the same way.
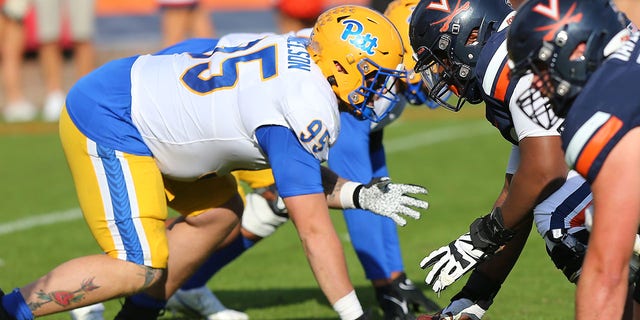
x: 604, y: 111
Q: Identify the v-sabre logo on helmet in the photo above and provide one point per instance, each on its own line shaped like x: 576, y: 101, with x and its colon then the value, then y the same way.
x: 353, y: 34
x: 552, y: 12
x: 443, y: 5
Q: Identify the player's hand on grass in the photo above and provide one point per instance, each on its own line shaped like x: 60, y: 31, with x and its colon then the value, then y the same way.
x: 390, y: 199
x: 451, y: 262
x: 461, y: 309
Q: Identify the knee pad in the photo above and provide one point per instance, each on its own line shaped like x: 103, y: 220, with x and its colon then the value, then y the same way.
x: 567, y: 252
x: 262, y: 217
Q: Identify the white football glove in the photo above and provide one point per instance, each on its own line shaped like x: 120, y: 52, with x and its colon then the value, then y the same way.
x: 451, y: 262
x: 388, y: 199
x: 462, y: 309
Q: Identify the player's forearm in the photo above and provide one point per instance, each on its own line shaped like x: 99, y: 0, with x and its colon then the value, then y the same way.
x: 332, y: 184
x: 499, y: 266
x: 321, y: 244
x: 541, y: 172
x: 325, y: 255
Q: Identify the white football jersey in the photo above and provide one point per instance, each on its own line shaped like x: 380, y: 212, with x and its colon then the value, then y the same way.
x: 198, y: 113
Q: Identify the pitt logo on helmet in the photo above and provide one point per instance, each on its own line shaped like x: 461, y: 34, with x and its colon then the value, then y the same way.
x: 353, y: 34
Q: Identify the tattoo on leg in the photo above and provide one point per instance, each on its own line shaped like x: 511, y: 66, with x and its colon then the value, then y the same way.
x: 64, y: 298
x: 149, y: 274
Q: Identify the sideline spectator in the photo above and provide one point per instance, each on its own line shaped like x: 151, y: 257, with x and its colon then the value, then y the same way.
x: 182, y: 19
x: 17, y: 107
x: 294, y: 15
x: 81, y: 18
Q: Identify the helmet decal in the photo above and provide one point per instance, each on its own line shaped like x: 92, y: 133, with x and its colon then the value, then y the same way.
x: 443, y: 5
x: 446, y: 21
x: 353, y: 34
x: 553, y: 13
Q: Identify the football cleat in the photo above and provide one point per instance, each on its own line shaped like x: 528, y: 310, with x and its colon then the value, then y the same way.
x: 90, y: 312
x: 394, y: 306
x: 201, y: 302
x: 131, y: 311
x: 408, y: 291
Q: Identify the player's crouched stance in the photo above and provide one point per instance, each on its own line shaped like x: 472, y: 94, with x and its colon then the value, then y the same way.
x: 565, y: 231
x: 149, y: 132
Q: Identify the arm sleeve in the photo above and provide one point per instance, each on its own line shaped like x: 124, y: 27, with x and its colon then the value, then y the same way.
x: 514, y: 160
x: 296, y: 171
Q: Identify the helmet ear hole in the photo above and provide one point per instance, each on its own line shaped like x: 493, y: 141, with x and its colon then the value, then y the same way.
x: 340, y: 68
x: 578, y: 52
x: 332, y: 81
x: 473, y: 37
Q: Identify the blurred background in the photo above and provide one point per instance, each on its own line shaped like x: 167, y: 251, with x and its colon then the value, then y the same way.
x: 460, y: 158
x: 43, y: 52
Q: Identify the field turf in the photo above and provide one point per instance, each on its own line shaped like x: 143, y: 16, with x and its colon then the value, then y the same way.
x: 459, y: 158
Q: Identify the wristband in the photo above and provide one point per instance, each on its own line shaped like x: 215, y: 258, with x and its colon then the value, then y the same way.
x: 488, y: 233
x: 348, y: 195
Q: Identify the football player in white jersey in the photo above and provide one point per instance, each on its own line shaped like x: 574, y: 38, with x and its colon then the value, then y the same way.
x: 146, y: 132
x: 586, y: 63
x: 360, y: 143
x: 359, y: 156
x: 264, y: 211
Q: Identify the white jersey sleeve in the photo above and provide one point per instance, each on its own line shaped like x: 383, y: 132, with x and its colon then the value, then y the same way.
x: 524, y: 126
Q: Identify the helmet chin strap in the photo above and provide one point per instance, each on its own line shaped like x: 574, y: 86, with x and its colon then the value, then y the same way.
x: 346, y: 107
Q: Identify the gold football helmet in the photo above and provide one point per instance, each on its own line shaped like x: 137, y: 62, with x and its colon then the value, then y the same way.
x: 360, y: 53
x: 399, y: 13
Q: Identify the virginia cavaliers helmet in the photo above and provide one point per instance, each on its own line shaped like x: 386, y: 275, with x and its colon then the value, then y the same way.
x: 360, y: 53
x: 447, y: 37
x: 399, y: 13
x: 543, y: 39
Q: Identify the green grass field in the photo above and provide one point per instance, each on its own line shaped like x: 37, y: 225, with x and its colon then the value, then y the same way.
x: 459, y: 158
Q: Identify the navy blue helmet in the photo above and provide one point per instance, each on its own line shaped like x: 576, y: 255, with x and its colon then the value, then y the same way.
x: 447, y: 37
x: 562, y: 42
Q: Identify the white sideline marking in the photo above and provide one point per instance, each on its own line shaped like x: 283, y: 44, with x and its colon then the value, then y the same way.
x: 40, y: 220
x: 404, y: 143
x: 431, y: 137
